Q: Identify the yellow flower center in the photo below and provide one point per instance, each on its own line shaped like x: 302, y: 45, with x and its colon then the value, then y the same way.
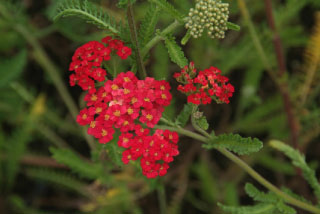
x: 126, y: 91
x: 98, y: 110
x: 125, y: 123
x: 106, y: 117
x: 134, y: 100
x: 149, y: 117
x: 104, y: 132
x: 147, y: 99
x: 163, y: 96
x: 126, y: 79
x: 84, y: 116
x: 117, y: 113
x: 94, y: 97
x: 162, y: 87
x: 93, y: 124
x: 114, y: 87
x: 125, y: 140
x: 130, y: 111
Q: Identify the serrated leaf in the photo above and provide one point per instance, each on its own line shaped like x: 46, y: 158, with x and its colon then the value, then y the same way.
x: 235, y: 143
x: 256, y: 209
x: 12, y: 67
x: 88, y: 11
x: 202, y: 122
x: 298, y: 160
x: 285, y: 209
x: 76, y: 164
x: 148, y: 24
x: 175, y: 52
x: 184, y: 115
x: 257, y: 195
x: 167, y: 7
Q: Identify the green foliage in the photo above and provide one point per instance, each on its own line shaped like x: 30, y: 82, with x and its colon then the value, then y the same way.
x: 257, y: 209
x: 184, y: 115
x: 88, y: 11
x: 76, y: 163
x: 14, y: 149
x: 59, y: 178
x: 124, y: 3
x: 298, y: 160
x: 113, y: 150
x: 19, y: 206
x: 202, y: 122
x: 12, y: 67
x: 235, y: 143
x: 269, y: 203
x: 168, y: 8
x: 256, y: 195
x: 175, y: 52
x: 148, y: 24
x: 233, y: 26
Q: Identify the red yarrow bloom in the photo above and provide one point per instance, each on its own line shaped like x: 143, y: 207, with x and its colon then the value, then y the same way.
x: 203, y: 86
x: 126, y: 104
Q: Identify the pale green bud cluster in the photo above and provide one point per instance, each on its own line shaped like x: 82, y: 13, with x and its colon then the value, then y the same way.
x: 210, y: 14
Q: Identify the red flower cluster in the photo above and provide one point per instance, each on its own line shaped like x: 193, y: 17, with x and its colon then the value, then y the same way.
x: 124, y: 103
x: 156, y: 151
x: 87, y: 60
x: 203, y: 86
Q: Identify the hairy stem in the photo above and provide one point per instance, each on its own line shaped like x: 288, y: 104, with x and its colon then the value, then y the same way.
x: 134, y: 38
x: 159, y: 37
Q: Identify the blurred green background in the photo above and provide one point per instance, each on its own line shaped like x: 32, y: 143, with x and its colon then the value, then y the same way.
x: 37, y: 108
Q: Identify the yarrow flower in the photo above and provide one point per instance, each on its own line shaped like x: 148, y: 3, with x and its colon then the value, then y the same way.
x: 125, y: 103
x: 203, y: 86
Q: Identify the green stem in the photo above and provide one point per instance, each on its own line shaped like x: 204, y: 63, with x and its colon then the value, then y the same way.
x: 289, y: 199
x: 162, y: 199
x: 134, y: 37
x: 159, y: 37
x: 256, y: 41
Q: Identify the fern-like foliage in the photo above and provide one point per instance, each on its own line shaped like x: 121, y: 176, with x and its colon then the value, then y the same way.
x: 59, y: 178
x: 88, y: 11
x: 268, y: 203
x: 175, y: 52
x: 311, y: 58
x: 298, y: 160
x: 13, y: 64
x: 76, y: 164
x: 148, y: 24
x: 235, y: 143
x: 169, y: 8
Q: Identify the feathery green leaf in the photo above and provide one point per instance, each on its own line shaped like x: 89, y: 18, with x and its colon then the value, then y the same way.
x: 148, y: 24
x: 257, y: 195
x: 76, y: 164
x: 88, y: 11
x: 256, y: 209
x: 167, y: 7
x: 235, y: 143
x: 298, y: 160
x: 12, y: 67
x: 175, y: 52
